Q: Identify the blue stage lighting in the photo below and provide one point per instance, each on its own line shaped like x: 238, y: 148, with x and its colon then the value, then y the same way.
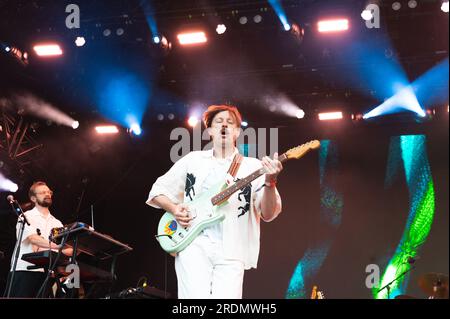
x: 122, y: 97
x: 135, y: 129
x: 405, y: 99
x: 278, y: 8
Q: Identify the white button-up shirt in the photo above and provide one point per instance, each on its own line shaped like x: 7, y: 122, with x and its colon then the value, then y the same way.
x: 240, y: 230
x: 37, y: 221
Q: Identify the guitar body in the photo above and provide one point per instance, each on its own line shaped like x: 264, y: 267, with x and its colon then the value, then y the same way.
x: 173, y: 237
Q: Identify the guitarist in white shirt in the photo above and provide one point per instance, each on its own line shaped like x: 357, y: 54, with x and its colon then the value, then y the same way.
x: 213, y: 265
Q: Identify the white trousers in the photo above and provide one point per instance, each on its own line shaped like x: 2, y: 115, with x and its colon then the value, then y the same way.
x: 204, y: 273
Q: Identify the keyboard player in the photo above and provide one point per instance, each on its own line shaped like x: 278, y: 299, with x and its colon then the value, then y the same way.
x: 35, y: 238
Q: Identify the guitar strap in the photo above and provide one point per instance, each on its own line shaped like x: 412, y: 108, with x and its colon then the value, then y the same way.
x: 234, y: 167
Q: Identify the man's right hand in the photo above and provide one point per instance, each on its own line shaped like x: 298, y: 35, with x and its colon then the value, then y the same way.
x: 181, y: 213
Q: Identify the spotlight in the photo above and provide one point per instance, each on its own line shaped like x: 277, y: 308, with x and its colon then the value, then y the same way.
x: 160, y: 117
x: 330, y: 116
x: 8, y: 185
x: 107, y: 129
x: 300, y: 114
x: 192, y: 38
x: 243, y: 20
x: 221, y: 28
x: 80, y: 41
x: 337, y: 25
x: 286, y: 26
x: 444, y: 6
x: 244, y: 123
x: 106, y: 32
x: 367, y: 15
x: 156, y: 39
x: 412, y: 4
x: 75, y: 124
x: 120, y: 31
x: 192, y: 121
x: 135, y: 129
x: 165, y: 44
x: 7, y: 49
x: 45, y: 50
x: 171, y: 116
x: 257, y: 18
x: 357, y: 117
x: 298, y: 32
x: 396, y: 6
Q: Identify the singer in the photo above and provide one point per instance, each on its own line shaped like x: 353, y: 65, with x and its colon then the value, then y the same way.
x: 35, y: 238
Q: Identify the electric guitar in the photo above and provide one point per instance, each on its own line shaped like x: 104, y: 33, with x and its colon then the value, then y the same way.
x: 204, y: 209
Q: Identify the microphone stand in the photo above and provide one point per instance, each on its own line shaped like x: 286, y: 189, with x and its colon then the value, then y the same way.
x: 388, y: 286
x: 22, y: 221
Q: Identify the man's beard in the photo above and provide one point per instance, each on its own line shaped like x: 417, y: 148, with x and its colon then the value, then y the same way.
x: 47, y: 202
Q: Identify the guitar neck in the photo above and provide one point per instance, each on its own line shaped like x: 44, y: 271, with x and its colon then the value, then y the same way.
x: 226, y: 193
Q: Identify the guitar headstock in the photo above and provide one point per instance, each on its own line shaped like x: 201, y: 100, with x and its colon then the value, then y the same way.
x: 299, y: 151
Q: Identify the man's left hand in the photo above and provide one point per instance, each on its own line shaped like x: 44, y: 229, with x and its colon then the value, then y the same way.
x: 273, y: 167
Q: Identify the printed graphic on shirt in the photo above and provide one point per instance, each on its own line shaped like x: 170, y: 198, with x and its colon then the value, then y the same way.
x: 245, y: 193
x: 190, y: 181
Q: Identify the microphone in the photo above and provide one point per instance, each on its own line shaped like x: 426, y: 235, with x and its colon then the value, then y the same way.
x: 10, y: 199
x: 18, y: 209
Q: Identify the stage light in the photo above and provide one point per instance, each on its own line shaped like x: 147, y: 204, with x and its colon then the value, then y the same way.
x: 107, y: 129
x: 171, y: 116
x: 396, y: 6
x: 75, y: 124
x: 7, y: 49
x: 243, y: 20
x: 330, y: 116
x: 404, y: 99
x: 120, y: 32
x: 156, y: 39
x: 336, y: 25
x: 192, y: 38
x: 444, y: 6
x: 244, y: 123
x: 367, y: 15
x: 165, y: 45
x: 135, y: 129
x: 7, y: 185
x: 80, y: 41
x: 193, y: 121
x: 300, y: 114
x: 298, y: 32
x: 160, y: 117
x: 221, y: 28
x: 278, y: 8
x: 412, y: 4
x: 47, y: 50
x: 106, y: 32
x: 357, y: 117
x: 257, y: 18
